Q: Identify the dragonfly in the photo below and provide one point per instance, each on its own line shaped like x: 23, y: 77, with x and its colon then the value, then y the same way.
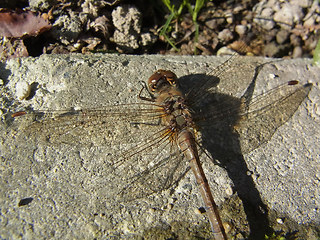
x: 172, y: 116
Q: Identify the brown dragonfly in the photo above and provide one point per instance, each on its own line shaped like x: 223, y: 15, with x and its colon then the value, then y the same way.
x: 173, y: 118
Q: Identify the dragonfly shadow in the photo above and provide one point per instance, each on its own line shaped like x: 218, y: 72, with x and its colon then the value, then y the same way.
x: 231, y: 127
x: 223, y: 144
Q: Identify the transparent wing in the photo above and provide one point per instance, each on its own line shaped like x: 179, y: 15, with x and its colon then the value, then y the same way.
x: 152, y: 172
x: 242, y: 125
x: 264, y: 114
x: 139, y: 154
x: 84, y: 126
x: 225, y: 77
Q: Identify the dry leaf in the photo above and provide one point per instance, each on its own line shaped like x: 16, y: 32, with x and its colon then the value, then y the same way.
x: 19, y: 23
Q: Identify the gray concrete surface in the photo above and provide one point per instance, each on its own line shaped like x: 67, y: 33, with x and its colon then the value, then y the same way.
x: 72, y: 192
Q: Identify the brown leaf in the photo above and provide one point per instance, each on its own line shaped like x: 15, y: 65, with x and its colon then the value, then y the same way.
x: 19, y: 23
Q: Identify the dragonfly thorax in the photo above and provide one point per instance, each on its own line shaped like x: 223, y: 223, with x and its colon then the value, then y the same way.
x: 177, y: 114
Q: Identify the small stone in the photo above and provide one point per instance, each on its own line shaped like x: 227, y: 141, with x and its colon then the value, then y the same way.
x: 227, y: 227
x: 288, y: 15
x: 197, y: 211
x: 225, y: 51
x: 265, y: 19
x: 272, y: 76
x: 66, y: 29
x: 279, y: 220
x: 282, y: 36
x: 225, y: 35
x: 295, y: 40
x: 271, y: 49
x: 1, y: 82
x: 297, y: 52
x: 310, y: 22
x: 214, y: 23
x: 302, y: 3
x: 229, y: 18
x: 241, y: 29
x: 127, y: 21
x: 229, y: 190
x: 148, y: 39
x: 23, y: 90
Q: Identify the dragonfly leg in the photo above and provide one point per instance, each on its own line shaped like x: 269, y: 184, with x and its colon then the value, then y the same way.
x: 151, y: 99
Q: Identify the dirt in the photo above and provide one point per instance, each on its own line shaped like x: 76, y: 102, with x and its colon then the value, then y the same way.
x: 259, y: 28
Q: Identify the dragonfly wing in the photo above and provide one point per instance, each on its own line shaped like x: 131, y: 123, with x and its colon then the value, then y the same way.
x: 138, y: 153
x: 265, y: 113
x: 83, y: 126
x: 231, y: 79
x: 235, y: 125
x: 152, y: 173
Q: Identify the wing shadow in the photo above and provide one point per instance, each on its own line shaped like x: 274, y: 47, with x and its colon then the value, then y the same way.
x: 225, y: 144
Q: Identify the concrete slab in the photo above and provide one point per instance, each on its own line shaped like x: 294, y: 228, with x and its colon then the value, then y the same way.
x: 69, y: 186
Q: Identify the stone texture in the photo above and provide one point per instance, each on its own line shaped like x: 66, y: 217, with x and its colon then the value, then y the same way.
x: 64, y: 191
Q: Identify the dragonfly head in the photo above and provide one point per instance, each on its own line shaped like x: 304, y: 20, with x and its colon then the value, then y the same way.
x: 160, y: 79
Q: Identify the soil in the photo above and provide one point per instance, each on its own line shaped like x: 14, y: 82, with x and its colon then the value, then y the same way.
x: 250, y: 27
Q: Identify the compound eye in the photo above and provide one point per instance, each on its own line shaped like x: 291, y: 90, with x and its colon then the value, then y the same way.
x: 153, y: 87
x: 170, y: 77
x: 152, y: 84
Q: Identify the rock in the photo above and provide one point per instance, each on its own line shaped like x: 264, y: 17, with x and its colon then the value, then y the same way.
x: 23, y: 90
x: 127, y: 21
x: 241, y: 29
x: 313, y: 16
x: 295, y: 40
x: 310, y: 22
x: 282, y: 36
x: 225, y: 35
x: 288, y: 15
x: 271, y: 49
x: 302, y: 3
x: 148, y: 39
x: 311, y: 42
x: 41, y: 5
x: 264, y: 18
x: 297, y: 52
x: 229, y: 18
x: 214, y: 23
x: 225, y: 51
x: 67, y: 28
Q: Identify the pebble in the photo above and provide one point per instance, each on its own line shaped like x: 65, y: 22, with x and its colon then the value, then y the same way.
x: 227, y: 227
x: 264, y: 19
x: 241, y: 29
x: 229, y: 190
x: 23, y: 90
x: 279, y: 220
x: 297, y: 52
x: 229, y: 18
x: 302, y: 3
x: 295, y: 40
x: 197, y: 211
x: 288, y: 15
x: 225, y: 35
x: 282, y: 36
x: 127, y: 22
x: 223, y: 51
x: 67, y: 28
